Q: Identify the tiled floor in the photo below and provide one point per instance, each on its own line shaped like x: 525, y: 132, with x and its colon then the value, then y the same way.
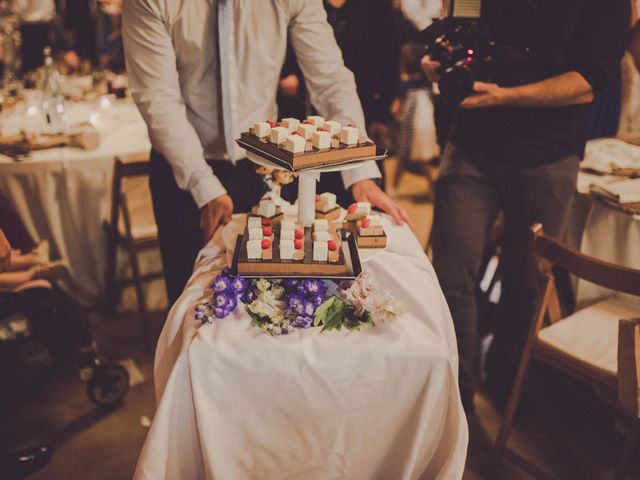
x: 563, y: 429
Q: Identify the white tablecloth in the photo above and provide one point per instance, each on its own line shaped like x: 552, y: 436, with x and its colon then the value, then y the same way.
x: 605, y: 233
x: 381, y: 403
x: 63, y: 195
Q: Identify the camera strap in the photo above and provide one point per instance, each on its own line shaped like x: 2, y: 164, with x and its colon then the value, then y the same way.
x: 464, y: 8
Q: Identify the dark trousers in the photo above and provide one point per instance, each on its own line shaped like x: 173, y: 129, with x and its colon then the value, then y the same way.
x: 35, y: 36
x: 470, y: 192
x: 178, y: 216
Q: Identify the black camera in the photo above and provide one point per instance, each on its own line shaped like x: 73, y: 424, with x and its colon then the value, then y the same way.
x: 466, y: 53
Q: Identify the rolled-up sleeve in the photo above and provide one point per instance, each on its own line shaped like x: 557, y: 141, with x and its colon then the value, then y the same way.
x: 332, y: 86
x: 606, y: 27
x: 155, y: 87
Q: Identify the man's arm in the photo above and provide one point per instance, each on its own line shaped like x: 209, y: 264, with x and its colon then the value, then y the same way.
x: 607, y: 25
x: 567, y: 89
x: 155, y: 87
x: 333, y: 92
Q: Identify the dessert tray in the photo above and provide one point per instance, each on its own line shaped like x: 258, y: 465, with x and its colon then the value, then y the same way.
x: 311, y: 144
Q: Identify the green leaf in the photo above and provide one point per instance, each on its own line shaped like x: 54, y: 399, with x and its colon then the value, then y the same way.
x: 331, y: 314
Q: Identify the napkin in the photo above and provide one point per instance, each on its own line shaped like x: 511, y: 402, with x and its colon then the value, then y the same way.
x: 625, y: 191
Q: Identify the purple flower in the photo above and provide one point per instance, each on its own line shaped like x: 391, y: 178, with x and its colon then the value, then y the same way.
x: 232, y: 303
x: 309, y: 309
x: 248, y: 296
x: 221, y: 284
x: 226, y: 272
x: 296, y: 304
x: 220, y: 312
x: 239, y: 285
x: 220, y: 300
x: 317, y: 300
x: 302, y: 321
x: 290, y: 285
x: 312, y: 287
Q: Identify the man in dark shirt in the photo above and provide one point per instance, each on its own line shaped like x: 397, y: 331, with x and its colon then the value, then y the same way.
x: 515, y: 146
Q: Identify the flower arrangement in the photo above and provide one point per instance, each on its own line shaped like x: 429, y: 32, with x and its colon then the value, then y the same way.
x: 279, y: 306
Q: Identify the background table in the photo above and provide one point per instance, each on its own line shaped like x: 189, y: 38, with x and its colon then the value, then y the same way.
x: 381, y: 403
x: 601, y: 231
x: 63, y: 194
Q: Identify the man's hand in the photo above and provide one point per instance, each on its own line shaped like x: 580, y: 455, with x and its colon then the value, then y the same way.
x: 369, y: 191
x: 215, y: 214
x: 5, y: 252
x: 430, y: 68
x: 486, y: 95
x: 290, y: 85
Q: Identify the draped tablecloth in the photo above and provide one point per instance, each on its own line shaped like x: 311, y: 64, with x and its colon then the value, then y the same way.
x: 382, y: 403
x: 603, y: 232
x: 63, y: 194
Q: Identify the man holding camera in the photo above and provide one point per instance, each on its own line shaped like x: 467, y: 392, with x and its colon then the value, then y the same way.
x: 514, y: 147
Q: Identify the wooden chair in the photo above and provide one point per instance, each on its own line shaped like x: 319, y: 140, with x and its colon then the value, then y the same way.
x: 584, y: 344
x: 133, y: 238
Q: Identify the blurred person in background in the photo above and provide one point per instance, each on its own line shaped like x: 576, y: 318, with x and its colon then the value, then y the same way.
x: 365, y: 35
x: 36, y: 29
x: 417, y: 146
x: 515, y: 146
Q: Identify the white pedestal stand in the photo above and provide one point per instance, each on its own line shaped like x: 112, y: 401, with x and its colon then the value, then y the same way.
x: 307, y: 180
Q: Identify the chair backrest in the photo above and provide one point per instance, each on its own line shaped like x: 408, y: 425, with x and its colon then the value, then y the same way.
x: 123, y: 168
x: 629, y: 365
x: 608, y: 275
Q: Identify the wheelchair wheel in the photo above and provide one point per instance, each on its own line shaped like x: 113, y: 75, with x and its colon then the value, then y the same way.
x: 108, y: 385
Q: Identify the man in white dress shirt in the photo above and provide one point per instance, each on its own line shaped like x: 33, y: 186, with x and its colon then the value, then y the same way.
x: 203, y: 71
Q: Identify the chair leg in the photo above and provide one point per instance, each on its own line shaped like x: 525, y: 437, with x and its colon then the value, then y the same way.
x: 630, y: 443
x: 142, y: 304
x: 525, y: 361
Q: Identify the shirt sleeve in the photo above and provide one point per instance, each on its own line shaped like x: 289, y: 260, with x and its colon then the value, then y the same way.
x: 331, y: 85
x: 155, y: 87
x: 606, y: 23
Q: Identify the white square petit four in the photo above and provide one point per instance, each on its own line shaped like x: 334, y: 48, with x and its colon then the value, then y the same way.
x: 374, y: 220
x: 295, y: 143
x: 266, y: 208
x: 363, y: 208
x: 306, y: 130
x: 322, y: 236
x: 291, y: 123
x: 287, y: 224
x: 320, y: 251
x: 321, y: 140
x: 254, y: 249
x: 261, y: 129
x: 329, y: 200
x: 254, y: 222
x: 332, y: 127
x: 320, y: 225
x: 255, y: 234
x: 286, y: 250
x: 316, y: 120
x: 279, y: 135
x: 349, y: 136
x: 287, y: 234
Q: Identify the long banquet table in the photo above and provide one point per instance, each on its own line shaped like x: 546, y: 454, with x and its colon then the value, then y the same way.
x: 63, y: 194
x: 380, y: 403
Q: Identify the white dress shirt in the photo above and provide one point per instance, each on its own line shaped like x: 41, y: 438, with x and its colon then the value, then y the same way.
x: 173, y: 62
x: 422, y: 12
x: 34, y: 11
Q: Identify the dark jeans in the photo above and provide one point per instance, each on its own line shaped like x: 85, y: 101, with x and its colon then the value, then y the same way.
x: 178, y: 216
x: 469, y: 193
x: 35, y: 36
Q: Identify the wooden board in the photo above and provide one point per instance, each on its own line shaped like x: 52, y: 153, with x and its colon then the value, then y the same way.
x: 338, y: 153
x: 277, y: 267
x: 372, y: 242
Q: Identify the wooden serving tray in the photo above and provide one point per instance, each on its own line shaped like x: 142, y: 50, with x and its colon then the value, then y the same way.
x: 345, y: 269
x: 337, y: 154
